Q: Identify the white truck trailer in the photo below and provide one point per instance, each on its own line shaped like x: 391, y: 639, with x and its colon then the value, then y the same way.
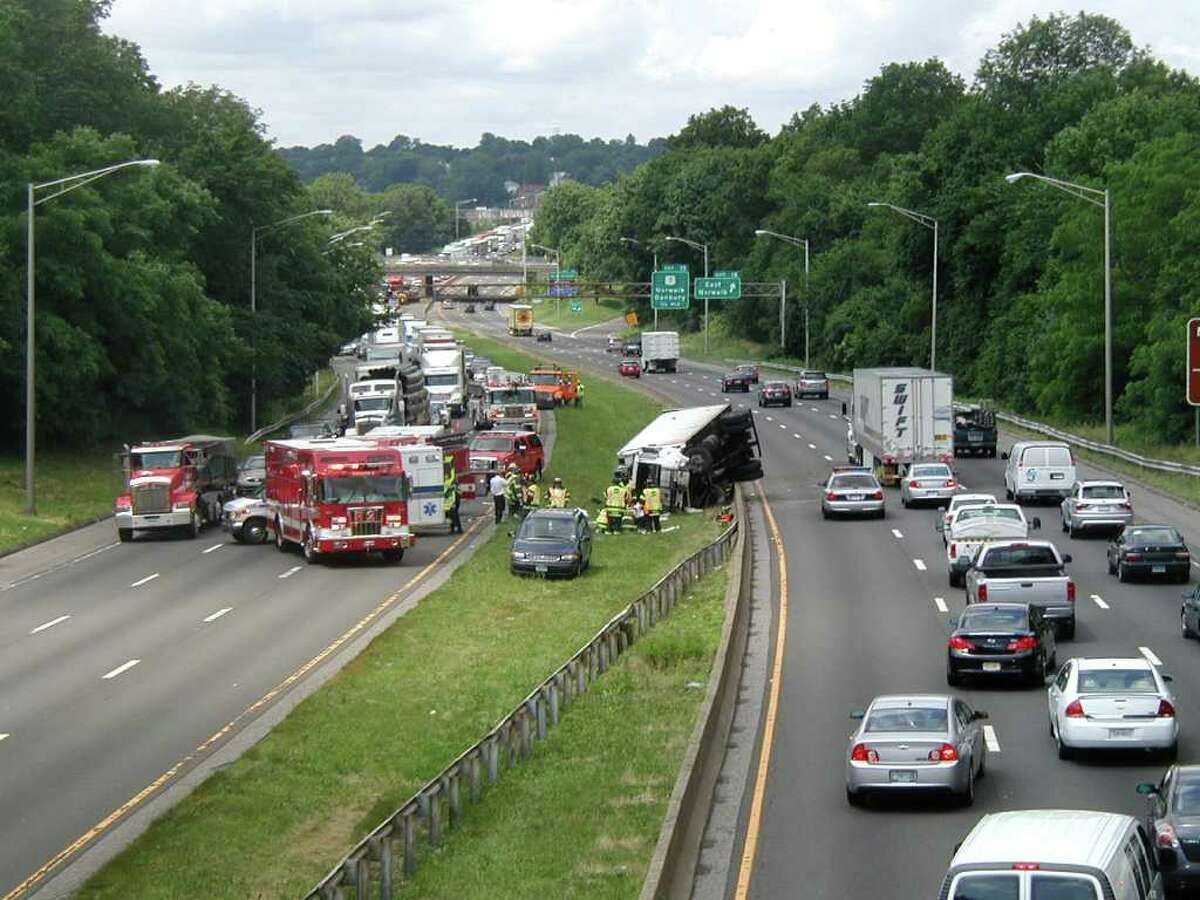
x: 660, y: 351
x: 900, y: 416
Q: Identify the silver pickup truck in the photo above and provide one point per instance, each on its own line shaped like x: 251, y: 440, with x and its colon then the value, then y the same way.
x: 1025, y: 572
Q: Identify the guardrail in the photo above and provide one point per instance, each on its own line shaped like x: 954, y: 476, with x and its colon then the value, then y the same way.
x: 292, y: 417
x: 1145, y: 462
x: 393, y: 848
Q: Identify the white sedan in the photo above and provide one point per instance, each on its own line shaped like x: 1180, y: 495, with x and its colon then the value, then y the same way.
x: 1112, y: 704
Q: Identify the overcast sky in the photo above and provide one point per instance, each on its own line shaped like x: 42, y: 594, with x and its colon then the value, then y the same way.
x: 448, y: 70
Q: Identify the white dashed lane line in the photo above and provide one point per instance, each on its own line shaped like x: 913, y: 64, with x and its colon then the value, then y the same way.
x: 290, y: 572
x: 796, y: 436
x: 989, y: 738
x: 828, y: 458
x: 920, y: 564
x: 784, y: 427
x: 812, y: 446
x: 1099, y: 601
x: 769, y: 419
x: 3, y: 736
x: 212, y: 548
x: 832, y: 416
x: 897, y: 534
x: 145, y: 580
x: 1149, y: 654
x: 124, y: 667
x: 217, y: 614
x: 940, y: 604
x: 814, y: 409
x: 50, y: 624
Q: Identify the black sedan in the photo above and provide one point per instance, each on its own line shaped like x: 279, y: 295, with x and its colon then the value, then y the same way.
x: 1009, y: 640
x: 736, y: 381
x: 1149, y: 551
x: 775, y: 392
x: 1175, y: 810
x: 552, y: 542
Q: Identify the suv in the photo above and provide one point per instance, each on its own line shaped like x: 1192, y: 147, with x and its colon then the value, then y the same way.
x: 552, y: 542
x: 812, y: 383
x: 736, y: 381
x: 497, y: 450
x: 615, y: 345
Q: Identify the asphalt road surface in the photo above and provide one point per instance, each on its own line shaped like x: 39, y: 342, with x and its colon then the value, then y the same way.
x: 865, y: 618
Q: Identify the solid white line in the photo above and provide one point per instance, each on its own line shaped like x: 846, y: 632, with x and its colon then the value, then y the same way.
x: 897, y: 535
x: 1149, y: 654
x: 292, y: 571
x: 212, y: 548
x: 124, y: 667
x: 1099, y: 601
x: 920, y: 564
x: 940, y: 604
x: 828, y: 458
x: 989, y: 738
x: 217, y: 614
x: 49, y: 624
x: 142, y: 581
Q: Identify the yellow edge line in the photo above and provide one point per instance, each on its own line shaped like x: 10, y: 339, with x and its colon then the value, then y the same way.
x: 137, y: 799
x: 754, y: 823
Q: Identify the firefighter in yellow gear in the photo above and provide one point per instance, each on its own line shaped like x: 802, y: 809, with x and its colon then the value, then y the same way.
x: 533, y: 493
x: 514, y: 492
x: 450, y: 497
x: 614, y: 505
x: 559, y: 496
x: 579, y: 393
x: 602, y: 520
x: 652, y: 504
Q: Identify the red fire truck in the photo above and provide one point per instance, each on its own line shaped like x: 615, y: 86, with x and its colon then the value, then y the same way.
x: 178, y: 484
x: 338, y: 495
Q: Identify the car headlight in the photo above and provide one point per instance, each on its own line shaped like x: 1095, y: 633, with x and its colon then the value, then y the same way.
x: 567, y: 557
x: 517, y: 554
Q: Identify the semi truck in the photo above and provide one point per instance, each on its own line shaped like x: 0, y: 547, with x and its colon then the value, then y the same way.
x: 520, y: 319
x: 660, y: 351
x: 179, y: 485
x: 334, y: 496
x: 900, y: 416
x: 445, y: 372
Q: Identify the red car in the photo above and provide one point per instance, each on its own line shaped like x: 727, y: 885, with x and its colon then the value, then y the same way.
x: 630, y: 368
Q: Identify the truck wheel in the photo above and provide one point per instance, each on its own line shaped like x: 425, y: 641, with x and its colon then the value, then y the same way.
x: 311, y: 554
x: 281, y: 543
x: 125, y: 535
x: 193, y: 527
x: 254, y: 532
x: 394, y: 556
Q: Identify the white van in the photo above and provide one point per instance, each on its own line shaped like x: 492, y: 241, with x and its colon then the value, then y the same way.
x: 1066, y: 854
x: 1038, y: 470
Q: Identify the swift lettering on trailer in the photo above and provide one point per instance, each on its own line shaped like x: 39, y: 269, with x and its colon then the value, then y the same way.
x: 900, y: 400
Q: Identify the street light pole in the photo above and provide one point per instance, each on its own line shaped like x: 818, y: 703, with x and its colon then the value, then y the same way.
x: 254, y: 233
x: 654, y: 254
x: 459, y: 204
x: 557, y: 273
x: 932, y: 224
x: 696, y: 245
x: 65, y: 186
x: 795, y: 242
x: 1096, y: 197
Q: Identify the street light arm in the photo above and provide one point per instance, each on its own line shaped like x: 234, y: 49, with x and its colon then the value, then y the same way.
x: 920, y: 218
x: 1081, y: 191
x: 695, y: 245
x: 794, y: 241
x: 290, y: 219
x: 72, y: 182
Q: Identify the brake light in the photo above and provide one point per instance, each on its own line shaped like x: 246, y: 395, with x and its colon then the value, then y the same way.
x: 953, y: 550
x: 1070, y: 592
x: 915, y: 484
x: 1132, y: 557
x: 1165, y: 710
x: 960, y: 643
x: 1023, y: 643
x: 1124, y: 506
x: 1164, y: 836
x: 1181, y: 554
x: 1082, y: 506
x: 1074, y: 710
x: 983, y: 593
x: 863, y: 753
x: 1026, y: 867
x: 830, y: 495
x: 878, y: 495
x: 950, y: 483
x: 944, y: 753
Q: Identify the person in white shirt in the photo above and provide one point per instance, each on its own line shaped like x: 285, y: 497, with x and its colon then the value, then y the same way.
x: 497, y: 486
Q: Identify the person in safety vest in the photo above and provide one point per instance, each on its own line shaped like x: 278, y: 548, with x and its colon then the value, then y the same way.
x: 579, y: 393
x: 602, y: 520
x: 450, y: 498
x: 614, y: 505
x: 533, y: 493
x: 652, y: 504
x: 558, y: 495
x: 514, y: 492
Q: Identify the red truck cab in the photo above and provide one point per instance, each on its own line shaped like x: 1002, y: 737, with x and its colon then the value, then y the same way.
x: 178, y: 485
x: 495, y: 451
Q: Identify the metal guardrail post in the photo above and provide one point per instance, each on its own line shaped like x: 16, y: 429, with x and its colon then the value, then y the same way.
x: 456, y: 807
x: 435, y: 817
x: 554, y: 702
x: 362, y: 878
x: 492, y: 748
x: 410, y: 844
x: 476, y: 777
x: 385, y: 868
x: 539, y: 707
x: 523, y: 725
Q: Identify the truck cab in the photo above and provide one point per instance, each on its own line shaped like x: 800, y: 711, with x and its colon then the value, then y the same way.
x: 178, y: 485
x: 495, y: 451
x: 554, y: 387
x: 514, y: 403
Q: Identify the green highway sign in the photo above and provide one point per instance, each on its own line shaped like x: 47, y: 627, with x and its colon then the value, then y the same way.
x: 576, y: 306
x: 675, y: 267
x: 721, y: 286
x: 669, y: 288
x: 564, y: 275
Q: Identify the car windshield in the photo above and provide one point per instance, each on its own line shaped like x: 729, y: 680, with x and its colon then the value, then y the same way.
x: 958, y: 502
x: 990, y: 886
x: 514, y: 396
x: 1061, y: 887
x: 748, y: 370
x: 303, y: 431
x: 1103, y: 492
x: 449, y: 379
x: 990, y: 513
x: 491, y: 444
x: 1102, y: 681
x: 544, y: 379
x: 1153, y: 536
x: 1186, y: 799
x: 909, y: 718
x: 155, y: 459
x: 813, y: 376
x: 775, y: 386
x: 994, y: 619
x: 849, y: 482
x: 254, y: 462
x: 930, y: 471
x: 538, y: 528
x: 369, y: 403
x: 1021, y: 555
x: 363, y: 488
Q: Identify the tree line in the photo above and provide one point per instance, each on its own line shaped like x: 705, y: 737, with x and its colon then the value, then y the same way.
x: 1020, y: 265
x: 142, y: 278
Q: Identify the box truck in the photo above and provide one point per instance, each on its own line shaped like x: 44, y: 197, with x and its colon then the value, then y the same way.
x: 900, y: 416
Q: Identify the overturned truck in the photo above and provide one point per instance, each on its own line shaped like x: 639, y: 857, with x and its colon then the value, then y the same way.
x: 695, y: 454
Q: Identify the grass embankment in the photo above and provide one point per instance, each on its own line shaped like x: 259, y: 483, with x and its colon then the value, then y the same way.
x: 557, y: 312
x: 72, y: 489
x: 272, y: 823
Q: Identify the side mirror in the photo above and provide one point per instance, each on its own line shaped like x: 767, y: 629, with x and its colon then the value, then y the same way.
x: 857, y: 713
x: 1147, y: 788
x: 1167, y: 678
x: 1036, y: 522
x: 1066, y: 557
x: 979, y: 714
x: 1004, y: 455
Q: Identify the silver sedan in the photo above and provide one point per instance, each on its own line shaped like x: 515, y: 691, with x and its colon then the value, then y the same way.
x: 916, y: 743
x: 852, y: 491
x: 928, y: 483
x: 1096, y: 504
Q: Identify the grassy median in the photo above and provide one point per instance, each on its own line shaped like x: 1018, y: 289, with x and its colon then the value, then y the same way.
x: 275, y: 821
x: 72, y: 490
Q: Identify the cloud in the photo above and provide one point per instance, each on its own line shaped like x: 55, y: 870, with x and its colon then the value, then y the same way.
x: 448, y: 71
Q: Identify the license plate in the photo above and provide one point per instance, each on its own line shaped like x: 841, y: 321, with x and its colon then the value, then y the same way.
x: 1158, y: 570
x: 541, y: 570
x: 991, y: 667
x: 854, y: 496
x: 902, y: 776
x: 1120, y: 732
x: 1056, y: 476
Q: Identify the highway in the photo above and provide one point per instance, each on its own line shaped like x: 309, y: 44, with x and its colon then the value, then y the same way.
x: 865, y: 617
x: 117, y: 667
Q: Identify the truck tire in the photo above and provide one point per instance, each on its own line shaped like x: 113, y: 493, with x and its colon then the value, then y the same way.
x: 751, y: 471
x: 735, y: 423
x: 125, y: 535
x: 254, y: 531
x: 281, y: 543
x: 394, y: 556
x: 311, y: 554
x: 193, y: 527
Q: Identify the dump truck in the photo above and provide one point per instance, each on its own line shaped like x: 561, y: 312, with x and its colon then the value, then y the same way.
x: 179, y: 484
x: 520, y: 319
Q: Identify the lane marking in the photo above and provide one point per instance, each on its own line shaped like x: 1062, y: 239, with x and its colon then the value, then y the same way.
x: 290, y: 572
x: 920, y: 564
x: 137, y: 799
x: 1099, y: 601
x: 812, y: 446
x: 814, y: 409
x: 754, y: 820
x: 3, y: 736
x: 213, y: 547
x: 145, y: 580
x: 828, y: 458
x: 769, y: 419
x: 897, y: 534
x: 784, y: 427
x: 940, y: 604
x: 796, y: 436
x: 989, y: 738
x: 832, y: 416
x: 50, y: 624
x: 1149, y: 654
x: 124, y: 667
x: 217, y: 614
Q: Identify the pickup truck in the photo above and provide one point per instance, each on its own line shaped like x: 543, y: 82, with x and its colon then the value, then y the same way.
x: 1025, y: 572
x: 975, y: 526
x: 975, y: 431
